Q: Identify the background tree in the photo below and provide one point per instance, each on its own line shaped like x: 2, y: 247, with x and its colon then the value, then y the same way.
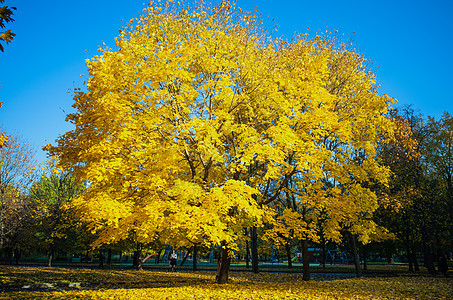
x: 437, y: 197
x: 56, y: 222
x: 16, y: 174
x: 6, y: 17
x: 417, y: 206
x: 397, y: 210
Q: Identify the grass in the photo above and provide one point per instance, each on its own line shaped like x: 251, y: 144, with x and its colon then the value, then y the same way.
x: 154, y: 284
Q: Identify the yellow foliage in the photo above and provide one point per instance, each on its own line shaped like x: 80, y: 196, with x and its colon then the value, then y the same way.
x: 185, y: 124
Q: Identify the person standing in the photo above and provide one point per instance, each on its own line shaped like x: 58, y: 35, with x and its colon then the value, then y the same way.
x: 172, y: 260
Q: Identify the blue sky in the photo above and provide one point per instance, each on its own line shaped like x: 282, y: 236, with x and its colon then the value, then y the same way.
x: 410, y: 43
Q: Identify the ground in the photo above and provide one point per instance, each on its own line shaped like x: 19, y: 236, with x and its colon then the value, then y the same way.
x: 81, y: 283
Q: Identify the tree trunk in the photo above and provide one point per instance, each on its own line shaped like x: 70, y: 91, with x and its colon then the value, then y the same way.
x: 254, y: 240
x: 185, y: 258
x: 223, y: 266
x: 407, y: 242
x: 355, y: 254
x: 247, y: 256
x: 8, y: 254
x: 158, y: 257
x: 101, y: 260
x: 428, y: 258
x: 49, y: 258
x: 409, y: 259
x: 109, y: 258
x: 414, y: 259
x: 137, y: 262
x: 194, y: 257
x: 17, y: 256
x: 364, y: 258
x: 288, y: 254
x: 305, y: 260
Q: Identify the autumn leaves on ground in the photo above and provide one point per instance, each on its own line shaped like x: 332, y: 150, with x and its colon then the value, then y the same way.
x: 128, y: 284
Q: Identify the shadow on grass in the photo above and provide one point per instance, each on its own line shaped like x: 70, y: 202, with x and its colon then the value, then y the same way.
x: 42, y: 282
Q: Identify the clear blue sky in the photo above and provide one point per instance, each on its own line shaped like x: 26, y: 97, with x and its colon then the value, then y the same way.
x: 410, y: 42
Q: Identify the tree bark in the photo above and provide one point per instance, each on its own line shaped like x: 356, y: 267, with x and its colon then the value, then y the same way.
x: 156, y: 262
x: 17, y: 255
x: 288, y: 254
x: 101, y: 259
x: 247, y: 256
x: 109, y: 258
x: 137, y: 262
x: 194, y: 257
x: 414, y: 259
x: 254, y: 240
x: 428, y: 258
x: 305, y: 260
x: 49, y: 258
x: 409, y: 259
x: 223, y: 266
x: 185, y: 258
x: 365, y: 268
x: 324, y: 254
x: 355, y: 254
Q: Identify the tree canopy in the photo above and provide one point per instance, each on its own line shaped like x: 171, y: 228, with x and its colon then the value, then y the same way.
x: 199, y: 119
x: 6, y: 17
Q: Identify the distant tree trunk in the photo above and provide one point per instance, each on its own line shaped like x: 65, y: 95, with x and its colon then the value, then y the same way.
x: 288, y: 254
x: 254, y: 240
x: 414, y: 259
x: 17, y: 255
x: 109, y: 258
x: 364, y: 258
x: 194, y: 257
x: 428, y: 258
x: 409, y: 259
x: 247, y: 257
x: 50, y: 258
x: 101, y: 260
x: 305, y: 260
x: 223, y: 266
x: 324, y: 254
x: 158, y: 257
x: 185, y: 258
x: 355, y: 254
x: 408, y: 247
x: 8, y: 254
x: 443, y: 265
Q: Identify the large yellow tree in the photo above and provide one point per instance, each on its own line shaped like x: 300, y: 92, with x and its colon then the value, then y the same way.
x: 184, y: 126
x: 168, y: 125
